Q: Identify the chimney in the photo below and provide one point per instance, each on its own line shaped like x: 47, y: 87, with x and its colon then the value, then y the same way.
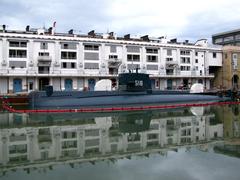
x: 145, y: 38
x: 50, y: 30
x: 53, y: 28
x: 127, y: 37
x: 173, y: 40
x: 4, y: 27
x: 70, y: 31
x: 111, y: 34
x: 91, y: 33
x: 27, y: 28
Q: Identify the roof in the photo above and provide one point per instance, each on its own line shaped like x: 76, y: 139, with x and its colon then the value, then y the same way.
x: 227, y: 32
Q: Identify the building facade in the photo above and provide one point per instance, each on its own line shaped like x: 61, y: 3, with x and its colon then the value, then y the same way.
x: 32, y: 59
x: 228, y: 75
x: 231, y: 38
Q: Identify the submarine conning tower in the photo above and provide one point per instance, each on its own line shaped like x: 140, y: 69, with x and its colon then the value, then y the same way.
x: 134, y: 82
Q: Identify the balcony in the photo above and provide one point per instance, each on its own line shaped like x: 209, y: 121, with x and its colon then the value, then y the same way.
x: 45, y: 58
x: 171, y: 62
x: 44, y: 63
x: 43, y: 71
x: 114, y: 63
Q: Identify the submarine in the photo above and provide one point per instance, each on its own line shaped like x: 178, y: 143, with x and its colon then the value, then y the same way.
x: 134, y: 89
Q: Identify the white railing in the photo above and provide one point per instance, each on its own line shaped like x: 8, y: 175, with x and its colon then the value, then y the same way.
x: 44, y: 58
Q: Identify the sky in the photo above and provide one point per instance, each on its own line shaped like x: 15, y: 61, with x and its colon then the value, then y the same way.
x: 182, y: 19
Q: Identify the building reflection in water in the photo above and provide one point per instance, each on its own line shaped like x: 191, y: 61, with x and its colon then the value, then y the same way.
x: 34, y: 140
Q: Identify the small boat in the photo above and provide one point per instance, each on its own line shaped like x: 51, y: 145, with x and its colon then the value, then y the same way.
x: 134, y: 89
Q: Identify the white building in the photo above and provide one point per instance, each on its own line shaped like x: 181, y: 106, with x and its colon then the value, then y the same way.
x: 31, y: 59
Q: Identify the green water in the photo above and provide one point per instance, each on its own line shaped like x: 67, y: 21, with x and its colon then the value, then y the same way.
x: 184, y: 143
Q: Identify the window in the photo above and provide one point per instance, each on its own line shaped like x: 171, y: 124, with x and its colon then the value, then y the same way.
x: 73, y: 65
x: 64, y: 65
x: 169, y: 52
x: 229, y: 38
x: 152, y: 67
x: 133, y: 49
x: 185, y: 52
x: 68, y: 45
x: 150, y: 50
x: 68, y: 55
x: 152, y: 58
x: 92, y: 132
x: 196, y: 53
x: 91, y: 66
x: 214, y: 54
x: 43, y: 53
x: 152, y: 136
x: 218, y: 40
x: 68, y: 65
x: 18, y: 44
x: 196, y: 68
x: 113, y: 49
x: 196, y: 61
x: 234, y: 56
x: 169, y: 59
x: 17, y: 53
x: 133, y: 57
x: 185, y: 68
x: 237, y: 37
x: 185, y: 60
x: 225, y: 55
x: 21, y: 148
x: 44, y: 45
x: 113, y: 57
x: 91, y: 47
x: 17, y: 64
x: 91, y: 56
x: 133, y: 66
x: 69, y: 144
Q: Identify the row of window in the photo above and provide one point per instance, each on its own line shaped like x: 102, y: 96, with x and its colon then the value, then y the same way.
x: 73, y: 65
x: 73, y: 55
x: 93, y: 47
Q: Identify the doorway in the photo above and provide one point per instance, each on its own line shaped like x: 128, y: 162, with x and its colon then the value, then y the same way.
x: 153, y: 81
x: 17, y: 85
x: 91, y: 84
x: 42, y: 83
x: 169, y: 84
x: 235, y: 79
x: 68, y: 84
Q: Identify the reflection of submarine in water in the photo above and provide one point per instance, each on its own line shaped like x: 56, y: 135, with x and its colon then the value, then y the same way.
x: 138, y: 119
x: 133, y: 89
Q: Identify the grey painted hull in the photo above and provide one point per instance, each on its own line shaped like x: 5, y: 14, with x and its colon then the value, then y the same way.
x: 114, y: 99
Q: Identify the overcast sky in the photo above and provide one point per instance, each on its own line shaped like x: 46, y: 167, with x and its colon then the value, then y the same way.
x: 184, y: 19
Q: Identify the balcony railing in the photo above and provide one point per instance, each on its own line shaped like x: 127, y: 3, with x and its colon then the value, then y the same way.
x: 112, y: 63
x: 171, y: 62
x: 44, y: 58
x: 43, y: 71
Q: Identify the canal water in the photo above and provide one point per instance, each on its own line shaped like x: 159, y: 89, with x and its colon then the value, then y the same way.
x: 183, y: 143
